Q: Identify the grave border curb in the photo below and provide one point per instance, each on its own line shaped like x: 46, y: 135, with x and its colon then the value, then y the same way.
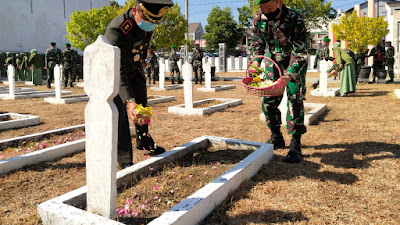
x: 60, y: 210
x: 331, y: 92
x: 67, y: 99
x: 397, y: 92
x: 23, y: 121
x: 227, y: 102
x: 216, y: 88
x: 160, y: 99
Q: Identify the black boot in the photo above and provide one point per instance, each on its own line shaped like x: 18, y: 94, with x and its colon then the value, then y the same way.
x: 144, y: 141
x: 125, y: 165
x: 276, y: 138
x: 71, y: 84
x: 49, y: 85
x: 315, y: 85
x: 65, y: 84
x: 294, y: 154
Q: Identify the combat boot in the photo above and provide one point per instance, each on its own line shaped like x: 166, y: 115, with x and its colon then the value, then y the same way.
x: 294, y: 155
x: 65, y: 84
x: 315, y: 85
x: 390, y: 81
x: 48, y: 85
x: 125, y: 165
x: 144, y: 141
x: 71, y: 84
x: 276, y: 138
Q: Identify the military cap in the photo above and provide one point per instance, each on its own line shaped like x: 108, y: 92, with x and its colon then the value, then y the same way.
x: 52, y: 43
x: 33, y: 51
x: 257, y: 2
x: 67, y: 44
x: 173, y: 46
x: 327, y: 39
x: 154, y: 10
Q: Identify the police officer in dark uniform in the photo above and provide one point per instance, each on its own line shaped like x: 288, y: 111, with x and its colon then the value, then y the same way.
x: 131, y: 32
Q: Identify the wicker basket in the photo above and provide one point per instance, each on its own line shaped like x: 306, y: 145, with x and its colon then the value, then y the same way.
x: 270, y: 91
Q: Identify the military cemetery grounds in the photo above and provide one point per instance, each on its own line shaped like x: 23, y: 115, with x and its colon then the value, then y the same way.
x: 349, y: 174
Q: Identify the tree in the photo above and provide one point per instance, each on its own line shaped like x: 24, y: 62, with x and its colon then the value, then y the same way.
x: 221, y: 28
x: 114, y: 3
x: 359, y: 32
x: 316, y: 13
x: 85, y: 26
x: 172, y: 30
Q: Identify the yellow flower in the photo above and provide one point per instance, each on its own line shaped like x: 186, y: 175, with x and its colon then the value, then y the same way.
x: 257, y: 79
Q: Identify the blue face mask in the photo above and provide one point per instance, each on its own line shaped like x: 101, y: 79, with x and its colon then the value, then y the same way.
x: 146, y: 25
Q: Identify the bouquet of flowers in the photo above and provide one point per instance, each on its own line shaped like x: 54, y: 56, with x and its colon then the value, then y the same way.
x: 143, y: 115
x: 256, y: 71
x: 259, y: 83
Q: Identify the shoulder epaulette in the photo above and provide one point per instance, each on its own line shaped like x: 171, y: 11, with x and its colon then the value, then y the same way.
x: 126, y: 26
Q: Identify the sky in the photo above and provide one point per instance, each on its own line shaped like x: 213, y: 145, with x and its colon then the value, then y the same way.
x: 199, y: 9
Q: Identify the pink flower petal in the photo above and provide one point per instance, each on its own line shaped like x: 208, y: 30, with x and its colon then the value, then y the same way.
x: 156, y: 187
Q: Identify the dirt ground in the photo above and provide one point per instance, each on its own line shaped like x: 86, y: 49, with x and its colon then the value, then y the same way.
x: 349, y: 175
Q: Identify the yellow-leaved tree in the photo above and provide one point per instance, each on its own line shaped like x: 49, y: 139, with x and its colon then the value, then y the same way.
x: 359, y: 32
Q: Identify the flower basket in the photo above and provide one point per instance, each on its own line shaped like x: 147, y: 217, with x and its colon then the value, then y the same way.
x: 273, y: 90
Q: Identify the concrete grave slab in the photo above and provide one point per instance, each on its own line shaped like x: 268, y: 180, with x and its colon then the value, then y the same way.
x: 16, y: 82
x: 309, y: 118
x: 67, y: 99
x: 155, y: 99
x: 30, y: 83
x: 33, y: 94
x: 16, y: 120
x: 168, y: 87
x: 5, y: 90
x: 182, y: 110
x: 216, y: 88
x: 397, y: 92
x: 330, y: 92
x: 68, y: 208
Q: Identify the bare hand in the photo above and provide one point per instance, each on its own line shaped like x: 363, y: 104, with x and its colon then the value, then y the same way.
x: 131, y: 110
x: 341, y: 66
x: 256, y: 63
x: 286, y: 78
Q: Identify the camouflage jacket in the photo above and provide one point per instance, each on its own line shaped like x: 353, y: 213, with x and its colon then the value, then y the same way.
x: 68, y: 58
x: 197, y: 59
x: 173, y: 58
x: 389, y: 54
x: 152, y: 59
x: 286, y: 39
x: 9, y: 60
x: 25, y: 62
x: 322, y: 54
x: 52, y: 55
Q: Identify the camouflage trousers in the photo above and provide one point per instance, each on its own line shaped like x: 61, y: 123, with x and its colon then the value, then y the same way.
x: 175, y: 68
x: 198, y: 70
x: 296, y: 91
x: 391, y: 70
x: 68, y: 75
x: 152, y: 71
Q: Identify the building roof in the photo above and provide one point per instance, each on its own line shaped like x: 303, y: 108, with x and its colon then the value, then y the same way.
x: 193, y: 27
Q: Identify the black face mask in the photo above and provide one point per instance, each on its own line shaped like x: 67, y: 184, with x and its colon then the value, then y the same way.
x: 273, y: 15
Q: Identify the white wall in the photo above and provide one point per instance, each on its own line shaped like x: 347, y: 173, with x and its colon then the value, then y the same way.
x: 29, y: 24
x: 389, y: 19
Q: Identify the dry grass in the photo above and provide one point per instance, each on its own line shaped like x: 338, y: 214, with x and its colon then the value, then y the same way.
x: 350, y: 172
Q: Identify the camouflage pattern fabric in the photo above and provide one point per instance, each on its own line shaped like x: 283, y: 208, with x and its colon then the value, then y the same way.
x: 286, y: 39
x: 152, y: 67
x: 389, y: 56
x: 322, y: 54
x: 25, y: 67
x: 173, y: 65
x: 197, y: 62
x: 9, y: 59
x: 377, y: 64
x: 19, y: 73
x: 52, y: 57
x: 68, y: 62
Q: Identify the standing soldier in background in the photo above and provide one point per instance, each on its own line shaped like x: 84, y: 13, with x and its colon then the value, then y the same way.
x: 322, y: 54
x: 35, y: 63
x: 389, y: 60
x: 75, y: 65
x: 52, y: 57
x: 284, y: 31
x: 152, y: 66
x: 173, y: 65
x: 68, y: 61
x: 19, y: 75
x: 197, y: 62
x: 25, y: 67
x: 360, y: 62
x: 378, y: 52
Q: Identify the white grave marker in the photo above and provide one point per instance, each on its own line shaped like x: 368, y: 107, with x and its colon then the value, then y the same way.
x: 187, y: 70
x: 101, y: 70
x: 57, y: 81
x: 283, y: 107
x: 207, y: 70
x: 11, y: 80
x: 323, y: 76
x: 161, y: 76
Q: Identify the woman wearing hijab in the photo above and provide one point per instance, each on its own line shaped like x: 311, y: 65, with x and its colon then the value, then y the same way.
x: 347, y: 67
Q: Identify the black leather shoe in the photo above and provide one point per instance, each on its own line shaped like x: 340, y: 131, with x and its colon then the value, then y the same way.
x: 293, y: 157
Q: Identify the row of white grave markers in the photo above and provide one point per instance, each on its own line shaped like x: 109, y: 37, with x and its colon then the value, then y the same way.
x: 11, y: 80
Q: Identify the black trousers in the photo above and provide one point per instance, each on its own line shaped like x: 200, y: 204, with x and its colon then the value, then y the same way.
x: 137, y: 82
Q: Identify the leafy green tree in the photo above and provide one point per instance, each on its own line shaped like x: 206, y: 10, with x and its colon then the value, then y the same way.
x: 85, y: 26
x: 114, y: 4
x: 172, y: 30
x: 359, y: 32
x: 221, y: 28
x: 316, y: 13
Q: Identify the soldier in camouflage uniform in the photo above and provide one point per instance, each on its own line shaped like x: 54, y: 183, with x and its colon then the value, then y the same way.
x: 173, y: 65
x: 19, y: 74
x: 322, y: 54
x: 75, y: 66
x: 389, y: 60
x: 25, y: 66
x: 152, y: 66
x: 197, y: 62
x: 36, y: 65
x: 68, y: 62
x: 52, y: 57
x: 284, y: 31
